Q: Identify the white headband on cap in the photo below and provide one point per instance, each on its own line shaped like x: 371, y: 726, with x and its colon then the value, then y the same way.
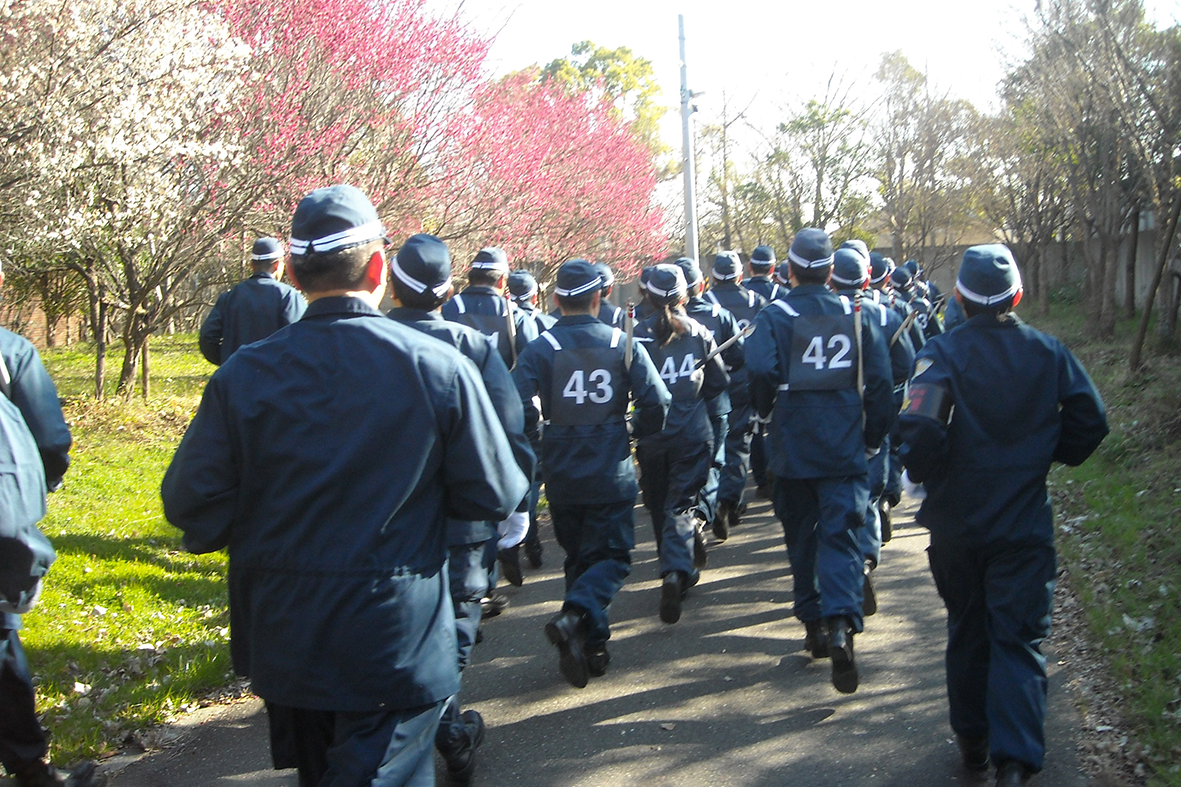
x: 662, y: 293
x: 338, y: 240
x: 270, y: 255
x: 439, y: 290
x: 846, y: 282
x: 803, y: 263
x: 594, y: 284
x: 527, y: 294
x: 989, y: 300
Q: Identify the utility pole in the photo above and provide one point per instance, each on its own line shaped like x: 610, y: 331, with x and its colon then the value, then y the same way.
x: 687, y: 111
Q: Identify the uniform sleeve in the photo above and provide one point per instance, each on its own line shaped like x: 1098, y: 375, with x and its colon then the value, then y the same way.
x: 480, y: 475
x: 35, y: 396
x: 507, y: 403
x: 649, y: 393
x: 1082, y: 414
x: 880, y: 410
x: 735, y: 355
x: 209, y: 339
x: 294, y: 306
x: 717, y: 380
x: 763, y: 364
x: 200, y: 486
x: 528, y: 382
x: 526, y: 328
x: 924, y: 439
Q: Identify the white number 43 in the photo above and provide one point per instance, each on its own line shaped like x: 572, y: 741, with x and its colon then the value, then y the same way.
x: 576, y: 387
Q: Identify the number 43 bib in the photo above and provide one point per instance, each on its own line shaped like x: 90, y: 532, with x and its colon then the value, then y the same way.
x: 823, y: 353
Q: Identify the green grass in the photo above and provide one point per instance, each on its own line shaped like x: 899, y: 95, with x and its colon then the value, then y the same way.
x: 131, y: 629
x: 1119, y: 536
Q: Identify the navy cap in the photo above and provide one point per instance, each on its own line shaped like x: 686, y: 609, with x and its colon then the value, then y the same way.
x: 727, y: 266
x: 901, y: 278
x: 266, y: 250
x: 783, y: 272
x: 645, y: 273
x: 763, y: 257
x: 577, y: 277
x: 423, y: 263
x: 333, y: 218
x: 849, y: 268
x: 667, y: 284
x: 522, y: 285
x: 988, y: 275
x: 491, y: 258
x: 691, y: 271
x: 812, y: 248
x: 879, y: 267
x: 857, y: 245
x: 913, y: 267
x: 605, y: 274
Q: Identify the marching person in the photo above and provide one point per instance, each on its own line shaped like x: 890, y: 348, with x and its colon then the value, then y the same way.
x: 823, y: 376
x: 421, y: 283
x: 609, y: 313
x: 325, y: 460
x: 723, y: 327
x: 727, y: 291
x: 35, y: 447
x: 523, y: 289
x: 675, y: 462
x: 482, y: 305
x: 762, y: 265
x: 850, y: 277
x: 584, y: 371
x: 252, y: 310
x: 991, y: 406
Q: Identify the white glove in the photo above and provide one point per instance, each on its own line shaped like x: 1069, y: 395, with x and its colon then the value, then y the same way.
x: 917, y: 491
x: 870, y: 453
x: 513, y: 530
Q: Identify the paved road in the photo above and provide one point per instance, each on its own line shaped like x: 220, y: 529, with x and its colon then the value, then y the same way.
x: 724, y: 697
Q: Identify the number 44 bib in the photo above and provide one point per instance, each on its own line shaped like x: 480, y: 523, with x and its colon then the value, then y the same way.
x: 823, y: 353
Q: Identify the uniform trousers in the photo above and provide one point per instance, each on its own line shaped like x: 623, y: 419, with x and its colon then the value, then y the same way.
x: 533, y: 537
x: 467, y: 572
x: 999, y: 599
x: 379, y: 749
x: 758, y: 456
x: 707, y: 500
x: 23, y: 741
x: 737, y: 455
x: 893, y: 491
x: 821, y: 520
x: 672, y: 474
x: 598, y: 540
x: 871, y: 535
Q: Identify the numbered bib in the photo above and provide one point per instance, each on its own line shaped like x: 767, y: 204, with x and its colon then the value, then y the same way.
x: 493, y: 326
x: 590, y: 386
x: 677, y: 363
x: 823, y: 353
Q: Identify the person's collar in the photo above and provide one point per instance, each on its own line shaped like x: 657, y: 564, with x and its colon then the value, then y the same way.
x: 481, y: 289
x: 807, y: 289
x: 571, y: 319
x: 407, y: 314
x: 340, y: 304
x: 262, y: 275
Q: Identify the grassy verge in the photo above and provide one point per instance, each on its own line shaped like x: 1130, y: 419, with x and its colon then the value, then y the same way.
x: 1119, y: 537
x: 131, y: 629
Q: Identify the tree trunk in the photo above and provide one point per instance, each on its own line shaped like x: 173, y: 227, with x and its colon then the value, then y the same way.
x: 1130, y: 269
x: 100, y: 346
x: 1161, y: 263
x: 134, y: 340
x: 145, y: 377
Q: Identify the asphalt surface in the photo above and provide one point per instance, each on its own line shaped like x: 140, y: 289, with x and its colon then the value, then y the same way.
x: 726, y: 696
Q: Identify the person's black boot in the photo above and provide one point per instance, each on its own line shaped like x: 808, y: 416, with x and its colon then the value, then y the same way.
x: 840, y: 650
x: 597, y: 660
x: 533, y: 553
x: 815, y: 640
x: 974, y: 752
x: 884, y: 510
x: 700, y: 558
x: 567, y: 631
x: 869, y: 596
x: 722, y: 520
x: 670, y: 597
x: 459, y: 750
x: 510, y: 565
x: 1012, y: 774
x: 42, y: 774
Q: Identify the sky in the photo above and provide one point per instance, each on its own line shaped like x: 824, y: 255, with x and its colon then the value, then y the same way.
x: 762, y: 57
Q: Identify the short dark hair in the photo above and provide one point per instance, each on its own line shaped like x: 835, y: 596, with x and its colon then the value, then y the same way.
x: 577, y: 303
x: 426, y: 300
x: 971, y: 308
x: 811, y: 275
x: 336, y: 270
x: 482, y: 277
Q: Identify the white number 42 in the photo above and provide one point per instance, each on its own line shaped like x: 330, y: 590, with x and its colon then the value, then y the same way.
x: 815, y: 352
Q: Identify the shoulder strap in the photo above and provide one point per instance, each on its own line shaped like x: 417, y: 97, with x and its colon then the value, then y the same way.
x: 5, y: 378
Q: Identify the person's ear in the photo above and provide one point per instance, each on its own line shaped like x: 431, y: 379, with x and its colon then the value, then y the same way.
x: 1016, y: 298
x: 375, y: 272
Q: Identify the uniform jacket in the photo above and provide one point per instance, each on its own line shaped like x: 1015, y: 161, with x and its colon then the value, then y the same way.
x: 691, y: 381
x: 544, y: 321
x: 577, y: 370
x: 803, y: 372
x: 1021, y: 401
x: 897, y: 303
x: 484, y: 309
x: 251, y: 311
x: 326, y: 458
x: 32, y: 391
x: 610, y: 314
x: 25, y: 554
x: 762, y: 285
x: 901, y: 351
x: 476, y: 347
x: 743, y: 304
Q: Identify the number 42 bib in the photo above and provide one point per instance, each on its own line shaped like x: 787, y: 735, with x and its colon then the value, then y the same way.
x: 823, y: 353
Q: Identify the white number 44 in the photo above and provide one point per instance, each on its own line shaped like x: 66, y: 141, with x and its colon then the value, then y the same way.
x: 576, y: 387
x: 815, y: 352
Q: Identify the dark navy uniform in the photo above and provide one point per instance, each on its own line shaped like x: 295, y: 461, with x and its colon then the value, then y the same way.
x: 675, y: 462
x: 34, y: 451
x: 1021, y: 401
x: 761, y: 281
x: 743, y: 304
x: 610, y: 314
x: 577, y: 369
x: 486, y: 310
x: 765, y: 287
x: 251, y: 311
x: 544, y: 321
